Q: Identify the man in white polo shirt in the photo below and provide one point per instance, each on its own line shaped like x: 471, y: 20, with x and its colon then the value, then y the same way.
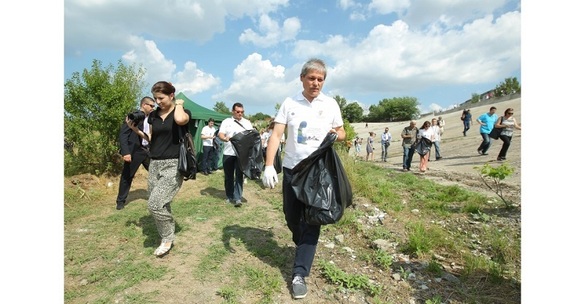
x: 308, y: 117
x: 233, y: 176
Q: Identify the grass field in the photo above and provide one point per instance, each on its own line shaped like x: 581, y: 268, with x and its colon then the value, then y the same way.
x: 406, y: 239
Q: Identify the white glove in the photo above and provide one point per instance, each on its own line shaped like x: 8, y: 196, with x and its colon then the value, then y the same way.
x: 270, y: 178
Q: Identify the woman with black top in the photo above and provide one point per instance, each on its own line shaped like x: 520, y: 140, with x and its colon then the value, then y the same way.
x: 164, y: 180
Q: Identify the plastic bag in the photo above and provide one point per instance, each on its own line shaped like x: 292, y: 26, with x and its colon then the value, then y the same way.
x: 187, y: 165
x: 248, y: 147
x: 423, y: 146
x: 320, y: 182
x: 278, y: 161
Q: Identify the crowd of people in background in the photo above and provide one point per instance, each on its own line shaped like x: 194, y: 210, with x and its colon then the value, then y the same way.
x: 423, y: 139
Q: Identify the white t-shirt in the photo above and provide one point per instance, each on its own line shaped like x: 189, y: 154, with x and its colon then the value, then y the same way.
x: 265, y: 136
x: 230, y: 127
x: 208, y: 131
x: 307, y: 124
x: 437, y: 131
x: 428, y: 133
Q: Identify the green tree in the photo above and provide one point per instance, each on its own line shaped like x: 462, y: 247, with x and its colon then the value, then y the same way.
x: 220, y: 107
x: 341, y: 102
x: 353, y: 112
x: 259, y: 117
x: 96, y: 102
x: 474, y: 98
x: 507, y: 87
x: 395, y: 109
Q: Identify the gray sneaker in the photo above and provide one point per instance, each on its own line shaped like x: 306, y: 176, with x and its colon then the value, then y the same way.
x: 238, y: 203
x: 299, y: 288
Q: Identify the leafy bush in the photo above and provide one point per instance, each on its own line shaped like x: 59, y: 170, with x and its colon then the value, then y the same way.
x: 96, y: 102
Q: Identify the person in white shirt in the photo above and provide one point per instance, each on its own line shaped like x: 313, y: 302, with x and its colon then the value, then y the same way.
x: 436, y: 129
x: 441, y: 124
x: 207, y: 136
x: 233, y: 176
x: 265, y: 135
x: 425, y: 132
x: 308, y: 116
x: 386, y: 138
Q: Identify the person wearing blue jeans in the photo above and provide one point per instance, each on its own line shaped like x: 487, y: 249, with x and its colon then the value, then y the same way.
x: 408, y: 140
x: 386, y: 138
x: 207, y: 136
x: 308, y: 117
x: 304, y: 236
x: 487, y: 121
x: 437, y: 141
x: 466, y: 117
x: 234, y: 179
x: 233, y: 176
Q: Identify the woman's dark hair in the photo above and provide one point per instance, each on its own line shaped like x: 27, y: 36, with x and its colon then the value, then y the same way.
x: 426, y: 124
x: 164, y: 87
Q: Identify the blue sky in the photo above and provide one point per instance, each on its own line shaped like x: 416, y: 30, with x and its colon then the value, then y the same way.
x: 439, y: 51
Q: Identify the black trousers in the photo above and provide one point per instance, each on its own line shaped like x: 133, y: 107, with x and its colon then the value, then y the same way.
x: 140, y: 157
x: 507, y: 140
x: 207, y: 163
x: 304, y: 236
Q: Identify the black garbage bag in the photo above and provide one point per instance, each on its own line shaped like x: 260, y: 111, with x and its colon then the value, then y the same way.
x: 320, y: 182
x: 423, y: 146
x: 248, y: 147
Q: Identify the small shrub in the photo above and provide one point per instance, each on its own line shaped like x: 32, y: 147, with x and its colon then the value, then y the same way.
x: 492, y: 177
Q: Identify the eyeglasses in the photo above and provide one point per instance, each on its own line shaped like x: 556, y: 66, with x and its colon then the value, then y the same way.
x: 510, y: 113
x: 239, y: 112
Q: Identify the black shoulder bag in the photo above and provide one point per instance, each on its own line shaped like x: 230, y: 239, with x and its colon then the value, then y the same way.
x: 495, y: 133
x: 187, y: 166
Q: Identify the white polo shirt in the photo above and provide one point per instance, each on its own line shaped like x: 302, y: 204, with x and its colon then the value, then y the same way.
x: 307, y: 124
x: 208, y: 131
x: 230, y: 127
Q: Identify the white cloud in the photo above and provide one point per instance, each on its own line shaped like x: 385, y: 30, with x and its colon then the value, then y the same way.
x: 355, y: 16
x: 109, y: 24
x: 451, y: 13
x: 193, y: 80
x: 146, y: 54
x: 433, y: 43
x: 270, y: 32
x: 394, y: 59
x: 387, y: 7
x: 257, y: 82
x: 346, y: 4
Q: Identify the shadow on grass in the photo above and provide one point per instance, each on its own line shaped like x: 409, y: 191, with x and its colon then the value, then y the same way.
x: 261, y: 244
x: 136, y: 195
x: 148, y: 226
x: 213, y: 192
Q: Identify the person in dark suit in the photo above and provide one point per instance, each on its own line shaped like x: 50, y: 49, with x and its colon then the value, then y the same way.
x: 134, y: 151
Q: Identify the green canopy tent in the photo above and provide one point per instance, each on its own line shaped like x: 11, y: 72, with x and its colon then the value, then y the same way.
x: 199, y: 117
